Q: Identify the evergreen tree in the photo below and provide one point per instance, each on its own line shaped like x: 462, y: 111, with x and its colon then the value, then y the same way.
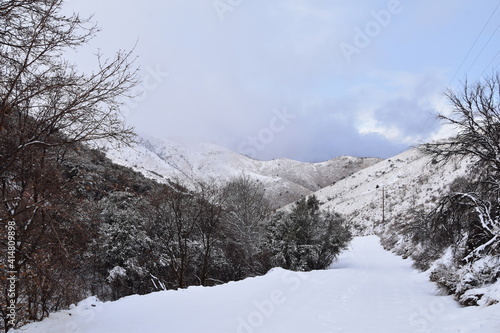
x: 306, y: 238
x: 123, y: 246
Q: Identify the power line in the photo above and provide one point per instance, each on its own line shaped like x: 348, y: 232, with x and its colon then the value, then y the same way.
x: 465, y: 58
x: 495, y: 68
x: 473, y: 44
x: 487, y: 42
x: 489, y: 64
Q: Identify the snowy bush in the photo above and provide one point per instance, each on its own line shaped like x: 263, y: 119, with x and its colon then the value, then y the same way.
x: 462, y: 230
x: 306, y: 238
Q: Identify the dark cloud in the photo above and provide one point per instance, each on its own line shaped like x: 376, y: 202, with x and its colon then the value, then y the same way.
x: 320, y: 133
x: 228, y: 72
x: 408, y: 116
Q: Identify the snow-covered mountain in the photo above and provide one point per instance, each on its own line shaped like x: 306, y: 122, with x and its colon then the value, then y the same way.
x: 408, y: 181
x: 285, y: 180
x: 366, y: 282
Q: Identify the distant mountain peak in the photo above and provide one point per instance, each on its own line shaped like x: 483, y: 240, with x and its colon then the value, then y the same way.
x: 189, y: 161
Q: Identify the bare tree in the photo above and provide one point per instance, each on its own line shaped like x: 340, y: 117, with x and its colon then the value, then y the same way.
x: 38, y: 85
x: 176, y: 215
x: 476, y: 117
x: 46, y: 107
x: 245, y: 209
x: 209, y: 201
x: 472, y: 212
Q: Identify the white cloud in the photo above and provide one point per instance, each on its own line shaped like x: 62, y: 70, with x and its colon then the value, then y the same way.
x: 226, y: 77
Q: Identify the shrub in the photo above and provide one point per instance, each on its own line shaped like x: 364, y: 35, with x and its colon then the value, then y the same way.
x: 306, y: 238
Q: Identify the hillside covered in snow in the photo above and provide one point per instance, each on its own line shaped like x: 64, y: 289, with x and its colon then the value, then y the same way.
x: 188, y: 162
x: 383, y: 197
x: 366, y: 281
x: 406, y: 200
x: 390, y: 189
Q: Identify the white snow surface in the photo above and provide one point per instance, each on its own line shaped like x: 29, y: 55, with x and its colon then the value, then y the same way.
x: 408, y: 181
x: 367, y: 290
x: 188, y: 162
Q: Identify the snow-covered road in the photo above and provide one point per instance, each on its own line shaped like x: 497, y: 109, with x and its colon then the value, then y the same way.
x: 367, y: 290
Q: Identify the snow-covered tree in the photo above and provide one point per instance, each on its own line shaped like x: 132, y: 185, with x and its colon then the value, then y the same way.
x: 209, y: 229
x: 46, y: 107
x: 123, y: 246
x: 176, y: 217
x: 474, y: 212
x: 306, y: 238
x: 468, y: 219
x: 245, y: 210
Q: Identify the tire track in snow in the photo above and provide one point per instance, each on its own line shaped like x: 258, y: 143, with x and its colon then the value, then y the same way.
x: 340, y: 305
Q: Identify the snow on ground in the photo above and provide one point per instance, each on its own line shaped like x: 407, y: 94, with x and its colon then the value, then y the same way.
x: 410, y: 180
x: 367, y: 290
x: 188, y: 162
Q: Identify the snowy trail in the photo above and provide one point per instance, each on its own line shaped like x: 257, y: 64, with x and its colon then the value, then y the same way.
x: 367, y: 290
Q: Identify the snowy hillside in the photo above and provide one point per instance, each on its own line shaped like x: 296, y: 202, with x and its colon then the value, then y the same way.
x: 367, y: 290
x: 285, y: 180
x: 408, y: 180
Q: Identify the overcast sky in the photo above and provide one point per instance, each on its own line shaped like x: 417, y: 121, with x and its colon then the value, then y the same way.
x: 303, y: 79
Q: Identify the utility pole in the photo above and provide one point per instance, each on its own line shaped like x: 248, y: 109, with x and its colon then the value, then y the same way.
x: 383, y: 203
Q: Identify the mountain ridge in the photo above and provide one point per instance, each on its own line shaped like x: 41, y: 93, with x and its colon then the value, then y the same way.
x: 408, y: 181
x: 188, y: 162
